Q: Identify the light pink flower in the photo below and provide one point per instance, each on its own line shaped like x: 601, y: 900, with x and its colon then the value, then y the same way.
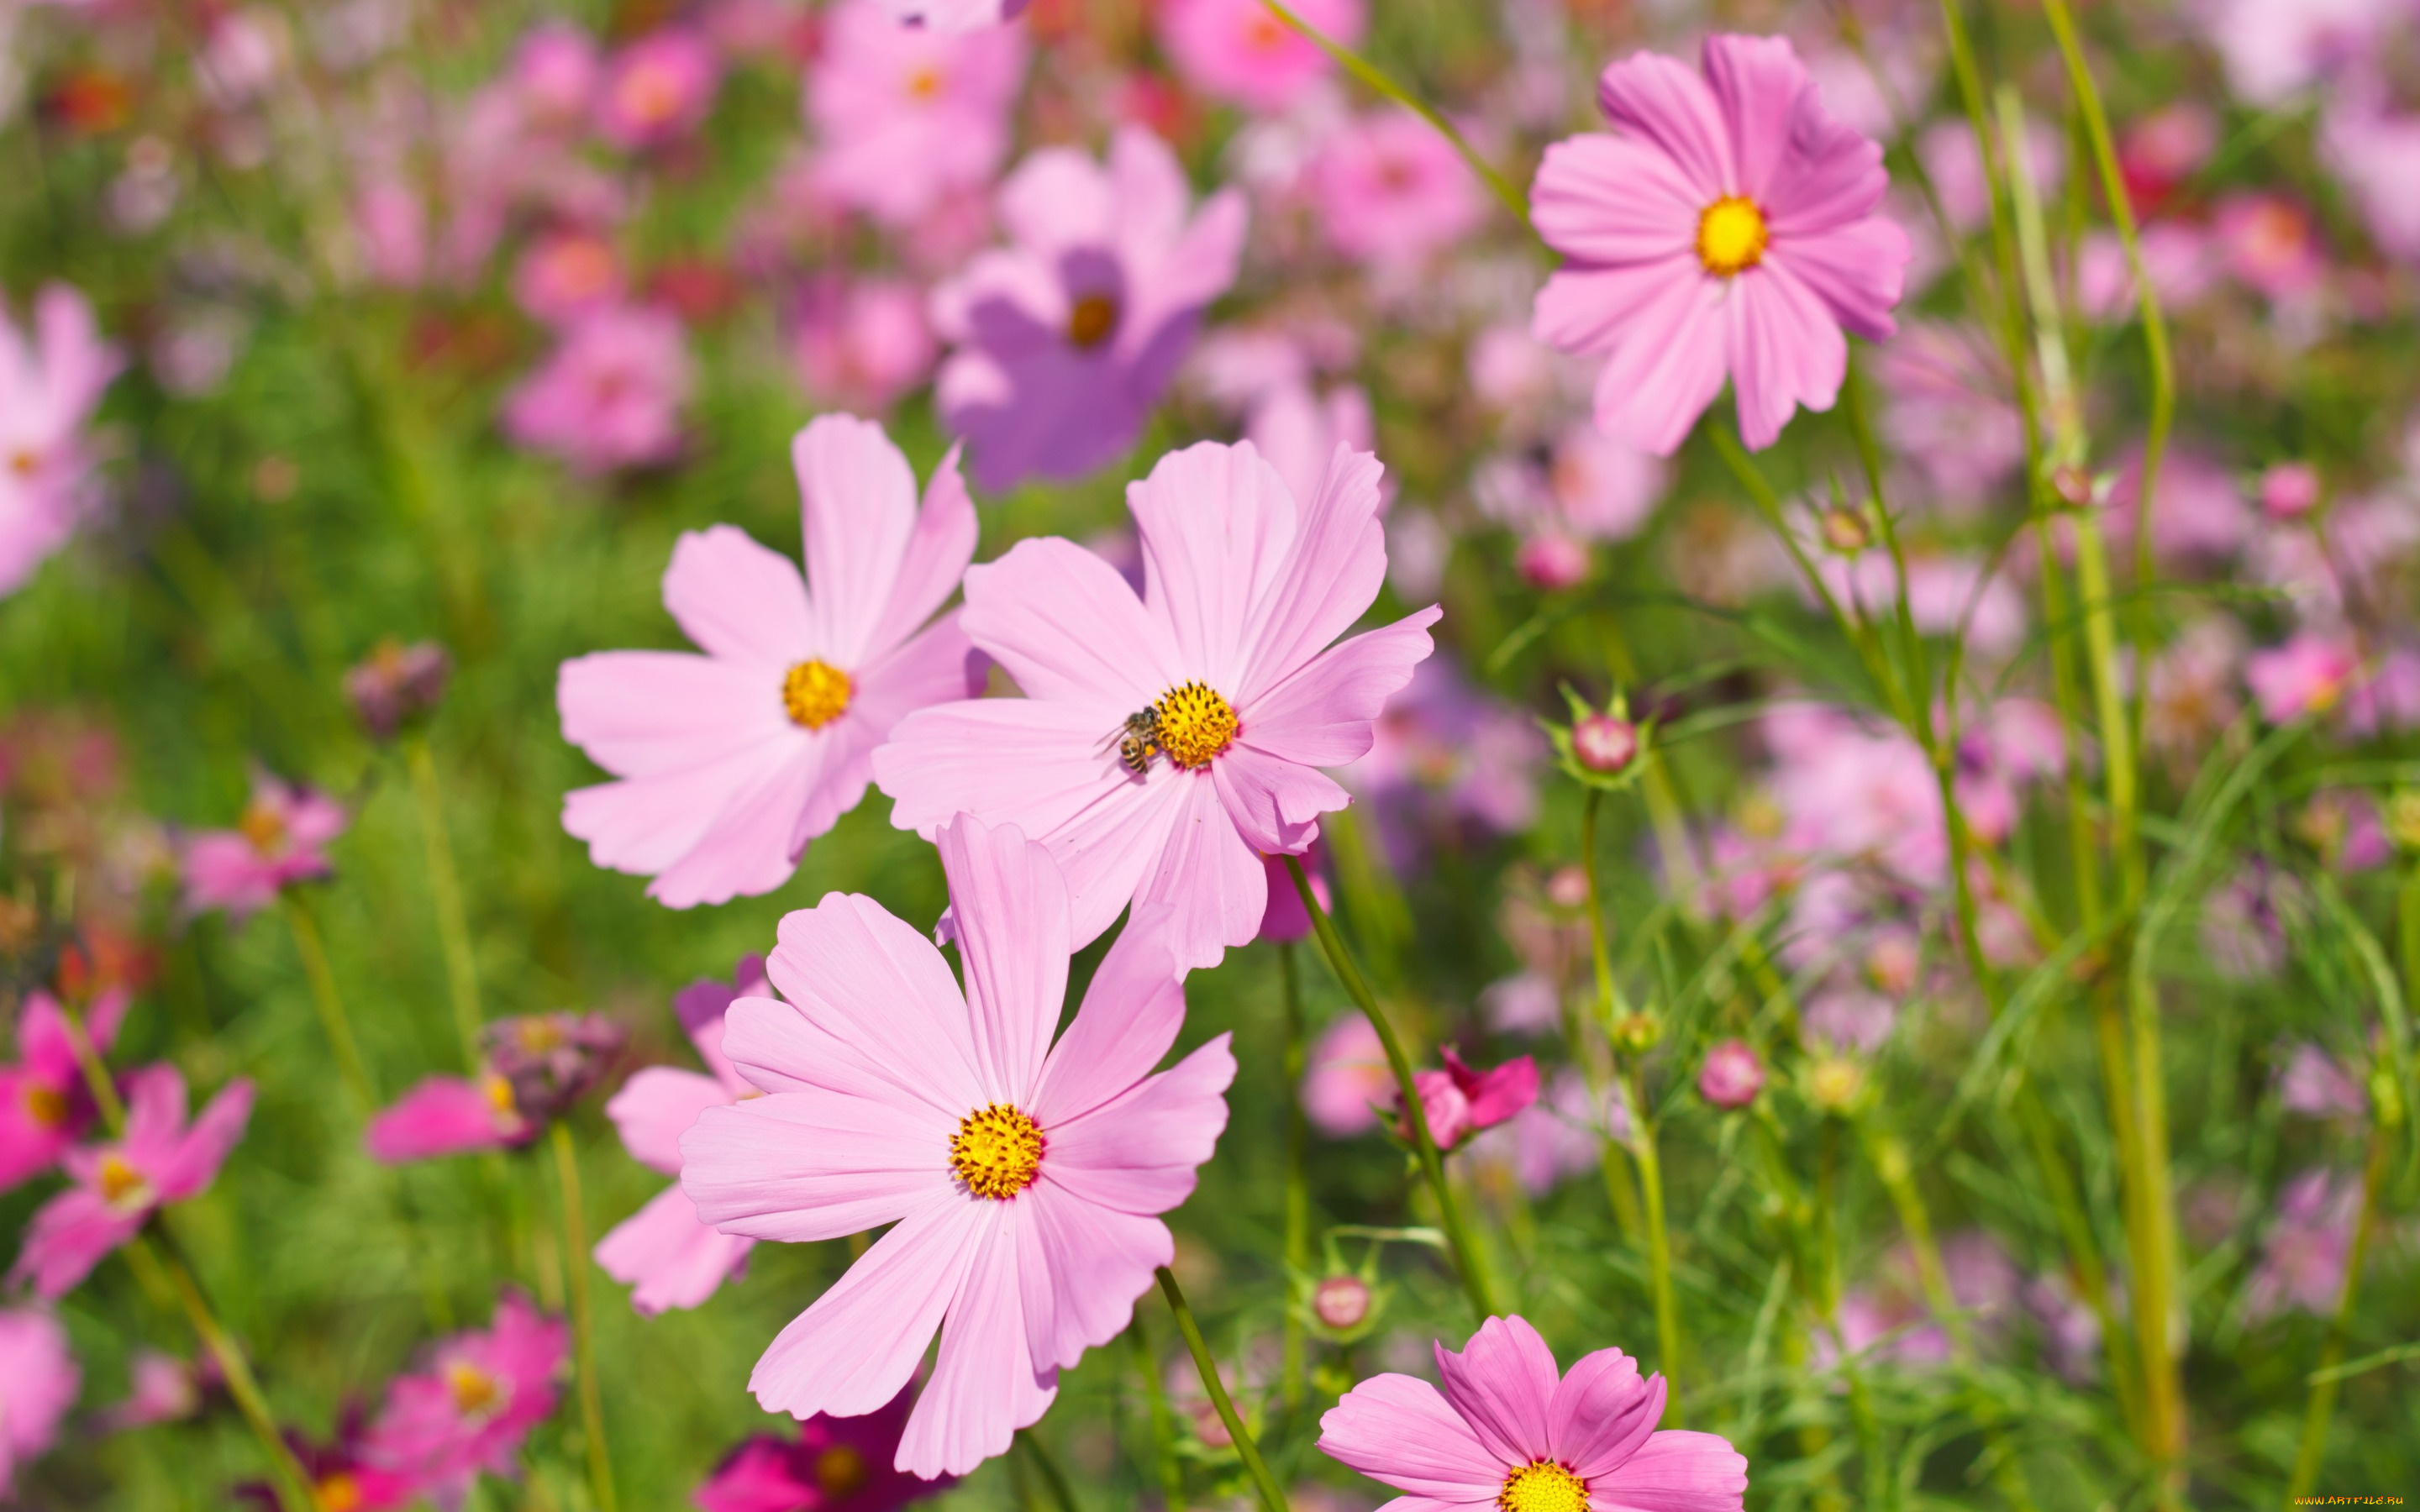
x: 163, y: 1388
x: 44, y: 1105
x: 910, y: 118
x: 2289, y: 490
x: 2201, y: 514
x: 468, y: 1411
x: 662, y: 1252
x: 281, y: 839
x: 1391, y: 190
x: 51, y: 381
x: 861, y: 343
x: 1242, y: 589
x: 2308, y: 675
x: 2270, y: 245
x: 1510, y: 1428
x: 448, y: 1115
x: 1023, y: 1180
x: 1731, y: 1075
x: 1728, y: 229
x: 2182, y: 261
x: 554, y: 73
x: 1956, y: 168
x: 1347, y: 1079
x: 610, y: 396
x: 1067, y: 339
x: 731, y: 762
x: 835, y: 1463
x: 160, y: 1159
x: 1950, y: 411
x: 1239, y: 51
x: 569, y: 275
x: 1462, y: 1100
x: 37, y: 1384
x: 1555, y: 1138
x: 2303, y: 1257
x: 2314, y: 1083
x: 2274, y: 49
x: 2375, y: 152
x: 658, y: 89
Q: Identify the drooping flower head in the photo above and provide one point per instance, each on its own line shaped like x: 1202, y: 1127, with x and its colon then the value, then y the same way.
x: 468, y: 1412
x: 160, y: 1159
x: 281, y: 839
x: 1067, y: 339
x: 37, y: 1384
x: 909, y: 117
x: 610, y: 396
x: 1166, y: 742
x: 662, y: 1252
x: 51, y: 381
x: 1510, y: 1430
x: 1023, y: 1179
x: 1726, y: 229
x: 835, y: 1464
x: 44, y: 1105
x: 1239, y: 51
x: 731, y: 762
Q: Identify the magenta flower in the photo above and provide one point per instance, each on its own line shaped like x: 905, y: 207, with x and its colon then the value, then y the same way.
x: 1239, y: 51
x: 44, y: 1105
x: 1510, y: 1430
x: 554, y: 73
x: 448, y: 1115
x: 2307, y: 675
x: 1024, y: 1180
x: 1066, y: 339
x: 909, y: 117
x: 37, y: 1384
x: 160, y: 1159
x: 50, y: 385
x: 468, y: 1411
x: 1223, y: 654
x: 656, y: 88
x: 1461, y: 1099
x: 1728, y: 229
x: 1391, y: 190
x: 731, y: 762
x: 281, y: 839
x: 662, y: 1252
x: 835, y: 1464
x: 610, y: 396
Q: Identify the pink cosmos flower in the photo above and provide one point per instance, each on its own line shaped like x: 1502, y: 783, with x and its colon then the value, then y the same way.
x: 1461, y: 1099
x: 1067, y: 339
x: 662, y: 1252
x: 2375, y: 150
x: 50, y: 384
x: 1239, y: 51
x: 1221, y: 655
x: 610, y: 396
x: 1510, y: 1430
x: 281, y: 839
x: 861, y: 343
x: 1347, y: 1079
x: 1023, y: 1180
x: 468, y: 1411
x: 909, y: 117
x: 835, y: 1464
x: 2289, y: 490
x: 448, y: 1115
x: 1729, y: 229
x: 2303, y: 1258
x: 658, y: 89
x: 37, y: 1384
x: 2316, y: 1084
x: 729, y: 762
x: 554, y: 73
x: 1391, y: 190
x: 160, y: 1159
x: 2271, y: 245
x: 567, y: 276
x: 44, y: 1105
x: 2307, y: 675
x: 163, y: 1388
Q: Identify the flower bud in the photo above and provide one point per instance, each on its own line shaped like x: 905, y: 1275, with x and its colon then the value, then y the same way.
x: 551, y: 1060
x: 396, y: 685
x: 1552, y: 562
x: 1834, y: 1081
x: 1845, y: 529
x: 1340, y: 1302
x: 1636, y: 1032
x: 1732, y: 1075
x: 1604, y: 742
x: 2289, y: 490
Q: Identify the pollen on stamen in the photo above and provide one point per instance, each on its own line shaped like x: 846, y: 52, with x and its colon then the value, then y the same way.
x: 997, y: 1151
x: 1091, y: 319
x: 1543, y: 1486
x: 815, y: 693
x: 1732, y: 236
x: 1195, y: 724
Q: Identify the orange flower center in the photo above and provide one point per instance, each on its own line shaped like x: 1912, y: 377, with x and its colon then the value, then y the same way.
x: 263, y: 826
x: 123, y: 1187
x: 46, y: 1106
x: 1732, y: 236
x: 997, y: 1151
x: 816, y: 692
x: 840, y: 1470
x: 477, y: 1394
x: 24, y: 462
x: 1090, y: 323
x: 339, y: 1492
x: 925, y: 83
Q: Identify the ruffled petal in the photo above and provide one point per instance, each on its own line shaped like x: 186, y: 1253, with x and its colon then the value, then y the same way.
x: 937, y: 666
x: 739, y: 600
x: 858, y: 510
x: 667, y: 1257
x: 861, y: 1341
x: 1397, y: 1429
x: 1217, y: 525
x: 1214, y: 883
x: 1859, y: 271
x: 1675, y: 1472
x: 1666, y: 102
x: 936, y: 558
x: 640, y: 713
x: 1668, y: 365
x: 645, y: 825
x: 1601, y: 1412
x: 799, y: 1166
x: 1129, y: 1017
x: 1757, y: 83
x: 985, y: 1386
x: 1011, y: 910
x: 1069, y: 629
x: 1275, y: 803
x: 194, y: 1162
x: 1138, y: 1153
x: 1503, y: 1385
x: 1331, y: 573
x: 874, y: 986
x: 1618, y: 200
x: 1783, y: 351
x: 1322, y: 715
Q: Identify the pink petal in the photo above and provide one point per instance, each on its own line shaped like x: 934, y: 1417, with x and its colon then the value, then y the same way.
x: 204, y: 1149
x: 1129, y: 1017
x: 1138, y: 1153
x: 937, y: 666
x: 1081, y: 1267
x: 937, y: 552
x: 1666, y: 102
x: 1675, y: 1472
x: 1011, y: 910
x: 1757, y: 83
x: 1217, y: 523
x: 1332, y: 573
x: 155, y: 1111
x: 1614, y: 199
x: 1503, y: 1385
x: 858, y: 512
x: 1215, y: 883
x: 1322, y: 715
x: 646, y: 824
x: 861, y: 1341
x: 1858, y: 271
x: 1670, y: 365
x: 983, y: 1386
x: 1783, y: 351
x: 655, y: 1106
x: 800, y: 1167
x: 739, y: 600
x: 641, y: 713
x: 873, y: 984
x: 1275, y: 803
x: 1398, y: 1431
x: 442, y: 1115
x: 69, y: 1235
x: 1067, y: 627
x: 1601, y: 1412
x: 667, y: 1257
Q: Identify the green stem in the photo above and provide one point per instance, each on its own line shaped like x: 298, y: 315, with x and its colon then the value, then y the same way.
x: 1613, y: 1157
x: 576, y: 1263
x: 324, y: 997
x: 1659, y: 1246
x: 1053, y: 1480
x: 1272, y: 1497
x: 2325, y: 1382
x: 1297, y: 1187
x: 1163, y: 1427
x: 294, y: 1490
x: 446, y: 892
x: 1340, y: 961
x: 1370, y: 74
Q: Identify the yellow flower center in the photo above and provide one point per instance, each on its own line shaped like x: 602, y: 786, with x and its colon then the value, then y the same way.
x: 499, y: 1092
x: 263, y: 826
x: 25, y: 463
x: 924, y: 83
x: 339, y: 1492
x: 996, y: 1151
x: 46, y: 1106
x: 476, y: 1393
x: 1195, y: 724
x: 1090, y: 321
x: 1543, y: 1486
x: 1732, y: 236
x: 840, y: 1470
x: 122, y: 1187
x: 816, y: 692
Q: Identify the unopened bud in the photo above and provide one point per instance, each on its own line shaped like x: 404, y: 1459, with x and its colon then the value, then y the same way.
x: 1604, y: 743
x: 1567, y: 887
x: 1732, y: 1075
x: 2289, y: 490
x: 1636, y: 1032
x: 1552, y: 562
x: 1833, y: 1082
x: 1340, y: 1302
x: 1845, y: 529
x: 396, y: 685
x: 2072, y: 485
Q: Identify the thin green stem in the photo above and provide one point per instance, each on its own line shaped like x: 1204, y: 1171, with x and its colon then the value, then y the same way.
x: 446, y: 892
x: 1297, y: 1187
x: 1340, y: 961
x: 1272, y: 1497
x: 330, y: 1006
x: 2324, y: 1381
x: 1053, y: 1480
x: 1370, y: 74
x: 1163, y: 1427
x: 583, y: 1332
x: 293, y: 1485
x: 1613, y: 1158
x: 1659, y: 1244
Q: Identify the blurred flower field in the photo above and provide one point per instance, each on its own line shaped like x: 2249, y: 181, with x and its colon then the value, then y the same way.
x: 1588, y: 755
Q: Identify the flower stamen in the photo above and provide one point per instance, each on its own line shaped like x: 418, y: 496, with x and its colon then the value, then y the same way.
x: 1543, y: 1486
x: 1732, y: 236
x: 477, y: 1394
x: 1091, y: 320
x: 816, y: 692
x: 123, y: 1187
x: 1195, y: 724
x: 997, y: 1151
x: 839, y: 1471
x: 46, y: 1106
